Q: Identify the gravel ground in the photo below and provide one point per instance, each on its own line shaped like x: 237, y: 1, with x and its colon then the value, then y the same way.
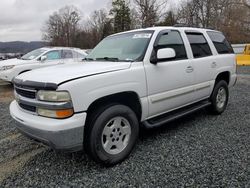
x: 198, y: 151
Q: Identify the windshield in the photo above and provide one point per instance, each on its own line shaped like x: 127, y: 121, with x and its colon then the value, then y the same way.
x: 122, y: 47
x: 33, y: 54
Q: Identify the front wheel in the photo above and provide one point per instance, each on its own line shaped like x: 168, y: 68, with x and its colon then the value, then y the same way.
x: 219, y: 98
x: 112, y: 134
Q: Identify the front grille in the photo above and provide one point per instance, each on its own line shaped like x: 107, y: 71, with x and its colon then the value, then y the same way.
x: 27, y: 107
x: 26, y: 93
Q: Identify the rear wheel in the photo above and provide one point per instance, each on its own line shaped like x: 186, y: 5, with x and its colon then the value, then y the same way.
x: 219, y: 98
x: 112, y: 134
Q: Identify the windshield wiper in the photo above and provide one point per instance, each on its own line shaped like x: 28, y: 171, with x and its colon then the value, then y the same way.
x: 115, y: 59
x: 88, y: 59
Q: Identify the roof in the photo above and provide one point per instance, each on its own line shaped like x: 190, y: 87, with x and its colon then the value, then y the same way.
x: 60, y: 48
x: 47, y: 48
x: 159, y: 28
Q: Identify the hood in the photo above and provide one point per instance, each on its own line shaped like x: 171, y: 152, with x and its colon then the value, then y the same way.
x: 15, y: 62
x: 61, y: 73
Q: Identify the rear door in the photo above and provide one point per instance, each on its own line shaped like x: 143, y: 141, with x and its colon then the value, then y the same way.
x: 67, y: 56
x: 204, y: 64
x: 170, y: 81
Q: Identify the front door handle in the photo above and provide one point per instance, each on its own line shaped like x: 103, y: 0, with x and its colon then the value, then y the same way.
x: 189, y: 69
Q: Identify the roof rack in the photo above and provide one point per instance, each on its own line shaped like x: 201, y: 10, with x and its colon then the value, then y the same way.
x: 186, y: 25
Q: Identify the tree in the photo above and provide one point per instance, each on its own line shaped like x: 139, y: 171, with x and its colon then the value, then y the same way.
x: 99, y: 25
x: 150, y: 11
x: 228, y: 16
x: 169, y: 20
x: 62, y: 27
x: 121, y: 15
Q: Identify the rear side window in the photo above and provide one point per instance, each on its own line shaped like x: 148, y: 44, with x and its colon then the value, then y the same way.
x: 67, y: 54
x: 199, y: 45
x: 220, y: 42
x: 173, y: 40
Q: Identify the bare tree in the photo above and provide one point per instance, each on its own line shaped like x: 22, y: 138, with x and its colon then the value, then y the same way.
x: 62, y: 26
x: 150, y: 11
x: 229, y: 16
x: 99, y: 24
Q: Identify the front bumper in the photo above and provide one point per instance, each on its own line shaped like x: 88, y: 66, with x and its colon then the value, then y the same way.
x: 64, y: 134
x: 6, y: 76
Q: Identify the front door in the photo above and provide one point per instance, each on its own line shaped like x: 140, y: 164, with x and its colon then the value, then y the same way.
x: 170, y: 83
x: 52, y: 58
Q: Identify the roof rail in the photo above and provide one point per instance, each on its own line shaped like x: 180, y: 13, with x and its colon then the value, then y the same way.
x: 181, y: 25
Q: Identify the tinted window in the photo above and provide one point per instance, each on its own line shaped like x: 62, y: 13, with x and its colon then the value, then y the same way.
x: 78, y: 55
x: 199, y: 45
x: 53, y: 55
x: 220, y: 42
x: 67, y: 54
x: 173, y: 40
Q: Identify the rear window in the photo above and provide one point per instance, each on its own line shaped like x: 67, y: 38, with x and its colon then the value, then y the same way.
x: 199, y: 45
x: 220, y: 42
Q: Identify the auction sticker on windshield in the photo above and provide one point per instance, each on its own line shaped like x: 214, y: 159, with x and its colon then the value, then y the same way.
x: 142, y: 36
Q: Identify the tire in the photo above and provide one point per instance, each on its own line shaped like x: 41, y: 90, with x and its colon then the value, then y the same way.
x: 219, y: 98
x: 111, y: 134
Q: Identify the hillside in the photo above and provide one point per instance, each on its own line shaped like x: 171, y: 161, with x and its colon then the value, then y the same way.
x: 20, y: 47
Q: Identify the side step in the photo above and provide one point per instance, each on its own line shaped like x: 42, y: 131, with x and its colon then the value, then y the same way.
x: 176, y: 114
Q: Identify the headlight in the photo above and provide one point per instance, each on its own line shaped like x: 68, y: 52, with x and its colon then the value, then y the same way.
x: 7, y: 67
x: 53, y: 96
x: 58, y: 114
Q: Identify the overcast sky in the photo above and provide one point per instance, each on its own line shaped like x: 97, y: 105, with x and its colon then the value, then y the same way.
x: 22, y: 20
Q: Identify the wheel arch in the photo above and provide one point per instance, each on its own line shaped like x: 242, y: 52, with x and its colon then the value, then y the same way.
x: 128, y: 98
x: 24, y: 71
x: 223, y: 76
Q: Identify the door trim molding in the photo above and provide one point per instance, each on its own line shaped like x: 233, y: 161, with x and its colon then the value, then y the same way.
x: 179, y: 92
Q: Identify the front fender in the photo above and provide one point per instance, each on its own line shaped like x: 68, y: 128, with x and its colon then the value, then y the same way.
x: 85, y: 91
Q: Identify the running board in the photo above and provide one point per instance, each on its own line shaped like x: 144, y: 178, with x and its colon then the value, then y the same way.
x: 176, y: 114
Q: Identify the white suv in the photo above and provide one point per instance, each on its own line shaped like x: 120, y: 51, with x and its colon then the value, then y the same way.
x: 39, y: 58
x: 144, y: 77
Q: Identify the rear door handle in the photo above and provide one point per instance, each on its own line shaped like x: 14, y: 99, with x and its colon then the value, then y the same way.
x: 189, y: 69
x: 214, y: 65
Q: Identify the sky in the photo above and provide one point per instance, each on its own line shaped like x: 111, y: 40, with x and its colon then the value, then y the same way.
x: 22, y: 20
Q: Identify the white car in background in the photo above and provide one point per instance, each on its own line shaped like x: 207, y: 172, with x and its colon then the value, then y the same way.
x: 39, y: 58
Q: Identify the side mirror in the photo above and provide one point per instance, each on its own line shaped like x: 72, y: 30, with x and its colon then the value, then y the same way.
x: 43, y: 58
x: 166, y: 53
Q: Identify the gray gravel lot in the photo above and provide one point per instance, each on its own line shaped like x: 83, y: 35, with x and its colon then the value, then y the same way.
x: 198, y: 151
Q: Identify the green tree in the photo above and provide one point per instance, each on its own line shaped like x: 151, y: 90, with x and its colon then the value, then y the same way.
x: 121, y: 15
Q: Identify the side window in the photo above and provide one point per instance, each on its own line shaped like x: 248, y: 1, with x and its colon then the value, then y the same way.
x: 53, y: 55
x: 173, y: 40
x: 67, y: 54
x: 78, y: 55
x: 199, y: 45
x: 220, y: 42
